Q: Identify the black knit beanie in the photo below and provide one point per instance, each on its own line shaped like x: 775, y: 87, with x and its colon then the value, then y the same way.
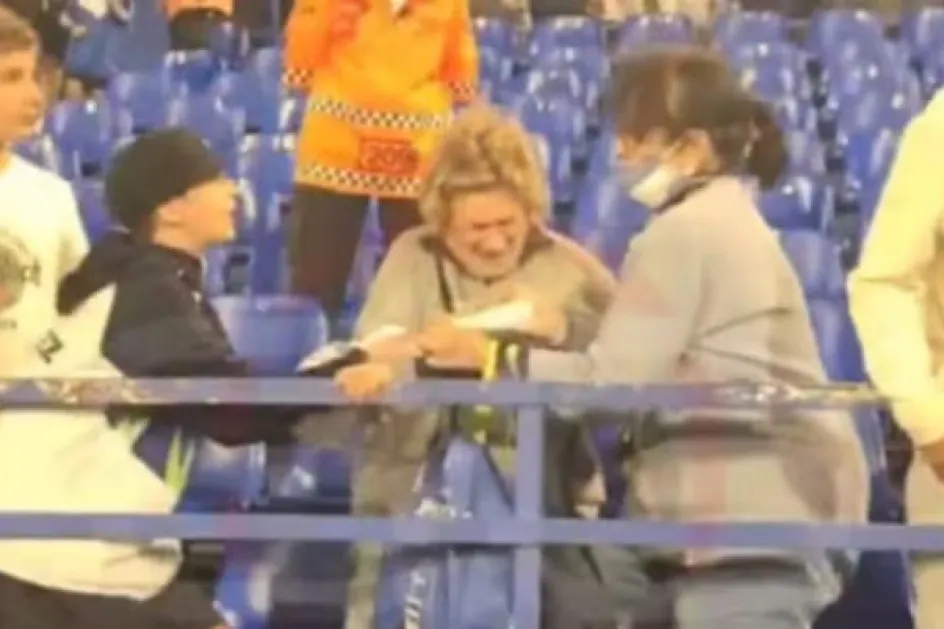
x: 154, y: 169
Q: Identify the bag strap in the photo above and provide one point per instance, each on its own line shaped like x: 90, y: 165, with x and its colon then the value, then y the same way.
x: 446, y: 299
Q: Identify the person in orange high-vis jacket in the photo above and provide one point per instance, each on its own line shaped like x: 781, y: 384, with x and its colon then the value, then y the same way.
x: 383, y: 78
x: 191, y: 22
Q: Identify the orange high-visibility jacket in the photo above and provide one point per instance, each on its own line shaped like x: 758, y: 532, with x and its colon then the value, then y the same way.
x: 379, y: 99
x: 173, y: 7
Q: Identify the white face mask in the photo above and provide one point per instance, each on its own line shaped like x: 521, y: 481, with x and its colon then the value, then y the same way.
x: 652, y: 183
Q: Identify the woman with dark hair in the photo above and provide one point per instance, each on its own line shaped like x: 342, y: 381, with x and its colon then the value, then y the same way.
x: 706, y: 295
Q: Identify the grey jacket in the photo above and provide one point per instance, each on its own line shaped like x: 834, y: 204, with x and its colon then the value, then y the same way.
x: 706, y: 295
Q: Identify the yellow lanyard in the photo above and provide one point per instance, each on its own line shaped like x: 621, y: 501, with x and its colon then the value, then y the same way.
x: 180, y: 456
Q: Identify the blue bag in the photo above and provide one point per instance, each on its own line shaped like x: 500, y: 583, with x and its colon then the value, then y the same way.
x: 456, y: 587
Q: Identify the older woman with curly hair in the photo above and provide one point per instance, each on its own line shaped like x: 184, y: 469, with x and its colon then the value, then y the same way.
x: 484, y: 205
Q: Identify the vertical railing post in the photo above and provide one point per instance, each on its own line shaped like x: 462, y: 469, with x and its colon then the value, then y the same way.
x: 529, y: 509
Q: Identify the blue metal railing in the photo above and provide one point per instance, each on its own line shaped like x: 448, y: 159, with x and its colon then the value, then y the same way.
x: 527, y: 530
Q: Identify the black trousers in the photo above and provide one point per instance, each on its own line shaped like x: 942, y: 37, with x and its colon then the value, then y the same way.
x: 324, y: 231
x: 192, y: 29
x: 181, y: 605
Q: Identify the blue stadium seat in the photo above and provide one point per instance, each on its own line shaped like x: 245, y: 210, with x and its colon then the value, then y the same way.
x: 837, y: 341
x: 746, y: 27
x: 268, y: 109
x: 220, y: 127
x: 495, y: 66
x: 793, y: 205
x: 315, y: 477
x: 834, y: 26
x: 661, y: 28
x: 606, y: 219
x: 265, y: 62
x: 817, y: 262
x: 563, y: 126
x: 89, y: 196
x: 565, y: 32
x: 495, y: 34
x: 194, y: 70
x: 231, y: 45
x: 807, y: 154
x: 269, y: 163
x: 921, y: 31
x: 875, y: 110
x: 42, y: 151
x: 218, y: 478
x: 243, y: 593
x: 272, y: 332
x: 867, y: 155
x: 94, y: 55
x: 84, y: 132
x: 546, y: 82
x: 266, y: 585
x: 140, y: 101
x: 224, y: 477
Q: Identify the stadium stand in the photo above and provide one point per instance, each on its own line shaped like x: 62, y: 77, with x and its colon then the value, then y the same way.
x: 843, y: 89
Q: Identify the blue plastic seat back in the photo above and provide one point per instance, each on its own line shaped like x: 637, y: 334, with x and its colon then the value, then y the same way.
x: 221, y: 127
x: 272, y: 332
x: 93, y: 56
x: 459, y: 588
x: 833, y: 26
x: 43, y: 152
x: 90, y: 197
x: 839, y: 348
x: 745, y: 27
x: 194, y: 70
x: 565, y: 32
x: 647, y: 29
x: 494, y: 33
x: 141, y: 100
x: 84, y: 132
x: 817, y: 262
x: 794, y: 204
x: 268, y: 162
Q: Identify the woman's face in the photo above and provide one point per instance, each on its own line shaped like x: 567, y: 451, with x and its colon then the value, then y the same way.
x: 487, y: 233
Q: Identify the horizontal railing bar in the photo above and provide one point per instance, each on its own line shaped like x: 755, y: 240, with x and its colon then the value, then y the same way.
x: 311, y: 392
x: 501, y: 532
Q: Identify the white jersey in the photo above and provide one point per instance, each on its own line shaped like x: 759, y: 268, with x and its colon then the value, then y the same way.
x: 55, y: 460
x: 41, y: 240
x: 74, y: 461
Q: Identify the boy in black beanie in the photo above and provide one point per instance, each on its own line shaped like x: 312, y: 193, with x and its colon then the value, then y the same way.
x: 135, y: 299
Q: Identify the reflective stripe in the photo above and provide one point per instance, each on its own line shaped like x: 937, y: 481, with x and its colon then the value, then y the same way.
x: 462, y: 91
x: 361, y: 117
x: 345, y: 179
x: 296, y: 79
x: 180, y: 456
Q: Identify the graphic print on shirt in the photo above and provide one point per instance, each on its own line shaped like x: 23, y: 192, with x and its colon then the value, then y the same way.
x: 19, y: 268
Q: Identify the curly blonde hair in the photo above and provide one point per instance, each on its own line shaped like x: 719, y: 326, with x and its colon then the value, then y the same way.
x: 485, y: 149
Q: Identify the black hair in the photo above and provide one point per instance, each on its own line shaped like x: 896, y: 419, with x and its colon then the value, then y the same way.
x: 683, y: 88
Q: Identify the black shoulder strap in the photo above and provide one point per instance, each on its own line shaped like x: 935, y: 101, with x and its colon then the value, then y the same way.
x: 680, y: 195
x: 445, y: 295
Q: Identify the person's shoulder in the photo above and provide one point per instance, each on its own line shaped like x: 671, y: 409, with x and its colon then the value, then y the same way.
x: 571, y: 252
x: 28, y: 171
x: 928, y: 125
x: 32, y: 180
x: 413, y: 243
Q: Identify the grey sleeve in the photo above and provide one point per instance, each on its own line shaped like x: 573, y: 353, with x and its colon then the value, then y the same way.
x: 648, y: 326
